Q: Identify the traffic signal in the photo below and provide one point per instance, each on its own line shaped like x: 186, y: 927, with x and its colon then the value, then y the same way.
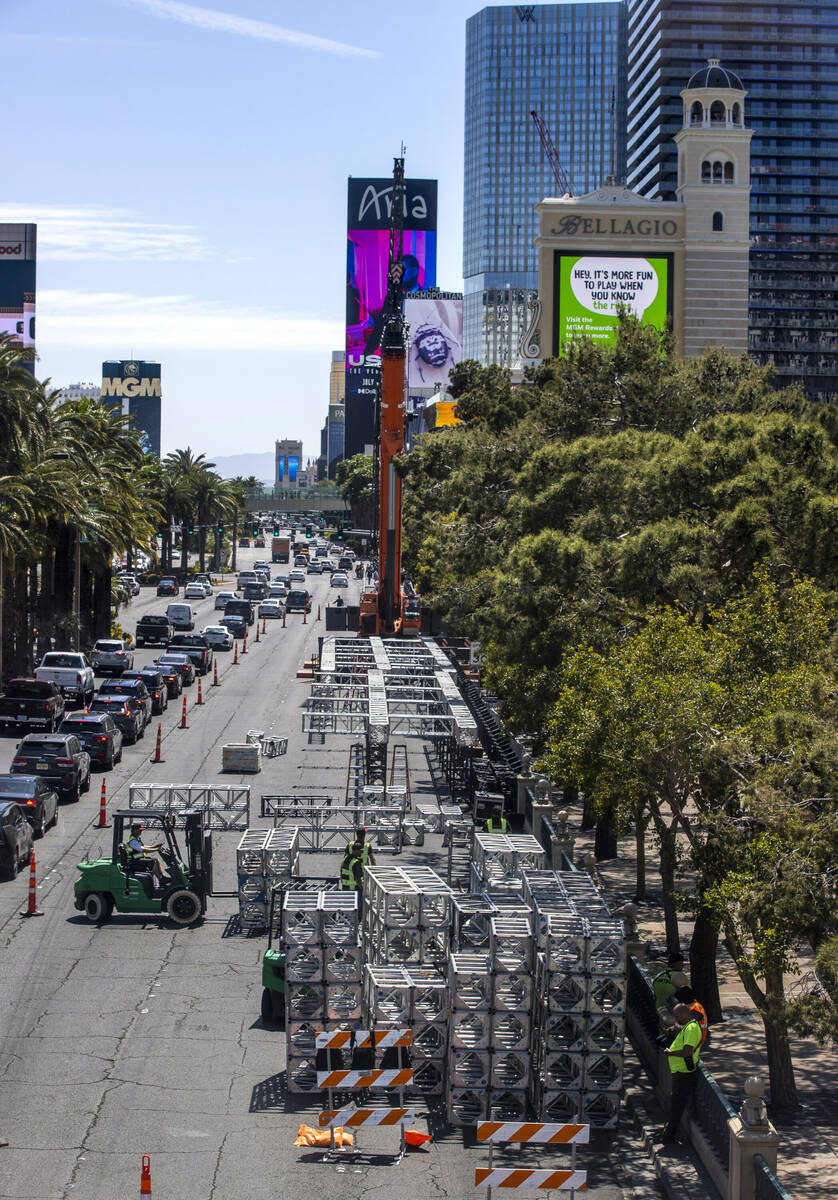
x: 308, y: 535
x: 255, y: 530
x: 276, y: 531
x: 340, y: 535
x: 220, y: 530
x: 190, y: 531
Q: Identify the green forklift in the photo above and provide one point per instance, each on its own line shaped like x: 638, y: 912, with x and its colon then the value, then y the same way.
x: 114, y: 883
x: 273, y: 963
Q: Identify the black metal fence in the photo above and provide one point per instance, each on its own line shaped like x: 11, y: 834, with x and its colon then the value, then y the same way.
x: 711, y: 1112
x: 766, y: 1184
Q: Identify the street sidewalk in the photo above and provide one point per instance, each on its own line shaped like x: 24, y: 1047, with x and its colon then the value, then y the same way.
x: 809, y: 1147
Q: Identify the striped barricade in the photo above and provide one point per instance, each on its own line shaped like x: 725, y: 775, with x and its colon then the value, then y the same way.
x: 363, y: 1039
x: 353, y: 1117
x: 536, y: 1133
x: 365, y: 1079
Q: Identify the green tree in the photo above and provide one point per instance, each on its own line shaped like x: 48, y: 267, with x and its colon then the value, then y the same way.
x: 356, y: 480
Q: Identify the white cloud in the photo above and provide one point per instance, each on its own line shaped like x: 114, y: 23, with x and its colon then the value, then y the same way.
x: 265, y: 31
x: 106, y: 321
x: 73, y: 234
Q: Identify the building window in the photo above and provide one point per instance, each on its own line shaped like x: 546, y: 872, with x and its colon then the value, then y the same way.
x: 696, y: 113
x: 706, y: 172
x: 717, y: 172
x: 718, y: 222
x: 717, y: 113
x: 737, y: 114
x: 728, y: 172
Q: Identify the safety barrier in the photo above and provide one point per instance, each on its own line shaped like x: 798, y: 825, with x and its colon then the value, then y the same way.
x: 534, y: 1133
x: 370, y: 1041
x: 226, y: 808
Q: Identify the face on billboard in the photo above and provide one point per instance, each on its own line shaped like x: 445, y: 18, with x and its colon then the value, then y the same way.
x: 367, y: 257
x: 593, y: 288
x: 435, y: 340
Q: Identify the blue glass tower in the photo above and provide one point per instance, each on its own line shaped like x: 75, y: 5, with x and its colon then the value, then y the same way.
x: 568, y: 62
x: 787, y: 57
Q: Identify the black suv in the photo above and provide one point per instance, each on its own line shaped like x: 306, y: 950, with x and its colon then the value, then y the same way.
x: 58, y: 758
x: 98, y: 733
x: 128, y: 687
x: 240, y: 608
x: 127, y: 713
x: 155, y: 682
x: 153, y: 631
x: 196, y: 646
x: 16, y: 837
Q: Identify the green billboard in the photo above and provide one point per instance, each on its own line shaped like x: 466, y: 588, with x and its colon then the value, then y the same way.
x: 591, y: 289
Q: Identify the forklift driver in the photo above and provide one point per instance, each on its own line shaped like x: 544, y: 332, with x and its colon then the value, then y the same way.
x: 138, y: 853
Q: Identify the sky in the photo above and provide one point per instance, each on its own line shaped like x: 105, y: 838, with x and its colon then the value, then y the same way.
x: 186, y: 165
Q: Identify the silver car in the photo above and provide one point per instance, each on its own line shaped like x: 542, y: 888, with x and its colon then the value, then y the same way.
x: 221, y: 599
x: 111, y: 656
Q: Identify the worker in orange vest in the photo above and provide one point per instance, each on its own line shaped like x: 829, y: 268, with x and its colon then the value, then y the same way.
x: 686, y: 996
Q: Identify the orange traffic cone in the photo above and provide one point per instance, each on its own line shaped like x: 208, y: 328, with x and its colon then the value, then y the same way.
x: 215, y: 682
x: 183, y: 724
x: 305, y: 622
x: 264, y: 625
x: 235, y: 654
x: 318, y: 612
x: 102, y: 823
x: 257, y: 631
x: 156, y: 757
x: 145, y: 1177
x: 32, y: 909
x: 244, y: 643
x: 200, y: 693
x: 283, y: 618
x: 413, y: 1139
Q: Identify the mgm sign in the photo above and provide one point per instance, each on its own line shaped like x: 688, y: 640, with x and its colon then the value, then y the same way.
x: 134, y: 387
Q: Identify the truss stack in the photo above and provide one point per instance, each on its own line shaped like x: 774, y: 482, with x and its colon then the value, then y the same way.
x: 264, y: 858
x: 322, y: 976
x: 414, y: 998
x: 406, y: 916
x: 499, y: 860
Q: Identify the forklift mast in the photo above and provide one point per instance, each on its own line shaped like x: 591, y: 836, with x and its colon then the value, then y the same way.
x: 198, y: 852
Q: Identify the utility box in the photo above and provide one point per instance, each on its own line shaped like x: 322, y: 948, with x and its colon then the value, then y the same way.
x: 241, y: 757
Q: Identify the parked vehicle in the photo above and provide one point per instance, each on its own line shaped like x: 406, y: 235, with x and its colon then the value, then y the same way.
x: 240, y: 608
x: 111, y: 656
x: 71, y: 673
x: 16, y: 838
x: 298, y: 600
x: 181, y: 617
x: 129, y: 687
x: 37, y: 799
x: 197, y: 647
x: 57, y: 757
x: 182, y: 663
x: 218, y: 636
x: 153, y: 631
x: 127, y: 713
x: 31, y: 703
x: 168, y: 587
x: 98, y: 733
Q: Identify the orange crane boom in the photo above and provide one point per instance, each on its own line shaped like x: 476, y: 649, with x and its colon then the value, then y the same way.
x: 555, y: 162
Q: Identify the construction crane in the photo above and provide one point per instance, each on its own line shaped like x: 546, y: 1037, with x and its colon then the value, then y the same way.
x: 552, y: 157
x: 385, y: 611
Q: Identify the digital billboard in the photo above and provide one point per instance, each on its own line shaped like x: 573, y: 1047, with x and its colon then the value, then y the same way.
x: 592, y: 288
x: 18, y: 247
x: 369, y: 211
x: 435, y: 340
x: 134, y: 386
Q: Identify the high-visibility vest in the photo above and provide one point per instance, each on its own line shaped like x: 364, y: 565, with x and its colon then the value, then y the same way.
x: 132, y: 854
x: 499, y: 826
x: 365, y: 853
x: 348, y: 880
x: 699, y: 1015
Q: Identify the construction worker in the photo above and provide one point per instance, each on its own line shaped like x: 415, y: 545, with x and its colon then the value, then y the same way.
x: 138, y: 853
x: 685, y: 995
x: 351, y: 870
x: 665, y: 982
x: 497, y: 824
x: 364, y: 850
x: 682, y: 1056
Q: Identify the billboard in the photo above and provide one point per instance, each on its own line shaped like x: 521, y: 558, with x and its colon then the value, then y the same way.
x: 369, y: 209
x: 18, y: 247
x: 435, y: 340
x: 592, y: 288
x: 134, y: 387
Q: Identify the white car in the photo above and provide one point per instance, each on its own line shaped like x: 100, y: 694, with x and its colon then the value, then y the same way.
x: 207, y: 583
x: 194, y: 591
x: 130, y: 583
x: 339, y: 580
x: 271, y: 608
x: 218, y: 636
x: 297, y: 576
x: 221, y: 599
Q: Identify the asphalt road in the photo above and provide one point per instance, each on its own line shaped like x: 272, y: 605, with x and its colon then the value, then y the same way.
x: 140, y: 1038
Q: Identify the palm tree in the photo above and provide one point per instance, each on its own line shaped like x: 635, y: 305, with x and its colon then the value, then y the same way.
x: 185, y: 465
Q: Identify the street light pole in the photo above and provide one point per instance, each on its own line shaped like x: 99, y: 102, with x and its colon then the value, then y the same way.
x: 77, y: 589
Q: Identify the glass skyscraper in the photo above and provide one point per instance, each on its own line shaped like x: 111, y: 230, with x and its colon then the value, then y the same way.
x: 567, y: 62
x: 787, y: 57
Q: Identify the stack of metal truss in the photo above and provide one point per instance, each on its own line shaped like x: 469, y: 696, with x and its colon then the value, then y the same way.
x: 415, y: 998
x: 579, y: 1004
x: 264, y: 858
x: 406, y: 917
x: 323, y: 974
x: 499, y: 860
x: 490, y: 1031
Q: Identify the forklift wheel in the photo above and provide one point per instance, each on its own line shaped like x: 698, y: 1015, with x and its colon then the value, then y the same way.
x: 183, y: 907
x: 273, y: 1007
x: 97, y: 907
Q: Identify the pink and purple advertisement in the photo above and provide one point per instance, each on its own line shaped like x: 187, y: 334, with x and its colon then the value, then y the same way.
x: 366, y: 285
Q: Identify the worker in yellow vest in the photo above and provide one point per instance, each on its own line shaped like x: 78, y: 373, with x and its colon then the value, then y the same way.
x: 497, y: 824
x: 682, y: 1056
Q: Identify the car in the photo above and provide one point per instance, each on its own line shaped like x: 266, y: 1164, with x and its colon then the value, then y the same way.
x: 29, y: 703
x: 16, y: 838
x: 182, y: 663
x: 182, y: 617
x: 37, y: 799
x: 111, y: 656
x: 315, y: 567
x: 259, y: 543
x: 255, y: 589
x: 240, y: 608
x: 300, y: 560
x: 171, y: 678
x: 153, y: 630
x: 196, y: 646
x: 218, y: 636
x: 168, y: 587
x: 346, y: 562
x: 57, y: 757
x: 194, y: 591
x: 284, y: 579
x: 71, y: 673
x: 155, y: 685
x: 244, y: 543
x: 244, y: 577
x: 126, y: 713
x: 278, y: 591
x: 98, y: 733
x: 298, y: 600
x: 271, y: 608
x: 130, y: 583
x: 339, y: 580
x: 236, y: 625
x: 206, y: 581
x: 129, y: 687
x: 261, y: 565
x: 297, y: 576
x: 221, y: 599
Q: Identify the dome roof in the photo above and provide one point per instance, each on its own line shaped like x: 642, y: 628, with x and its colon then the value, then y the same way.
x: 714, y: 75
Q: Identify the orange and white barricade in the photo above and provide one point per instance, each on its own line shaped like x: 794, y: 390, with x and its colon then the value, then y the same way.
x: 535, y: 1133
x: 347, y: 1079
x: 353, y: 1117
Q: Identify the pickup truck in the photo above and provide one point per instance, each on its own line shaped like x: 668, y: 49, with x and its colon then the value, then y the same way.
x: 196, y: 646
x: 71, y: 673
x: 31, y: 704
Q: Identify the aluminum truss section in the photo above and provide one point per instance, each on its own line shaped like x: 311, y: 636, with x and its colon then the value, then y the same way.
x: 326, y: 829
x: 224, y: 808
